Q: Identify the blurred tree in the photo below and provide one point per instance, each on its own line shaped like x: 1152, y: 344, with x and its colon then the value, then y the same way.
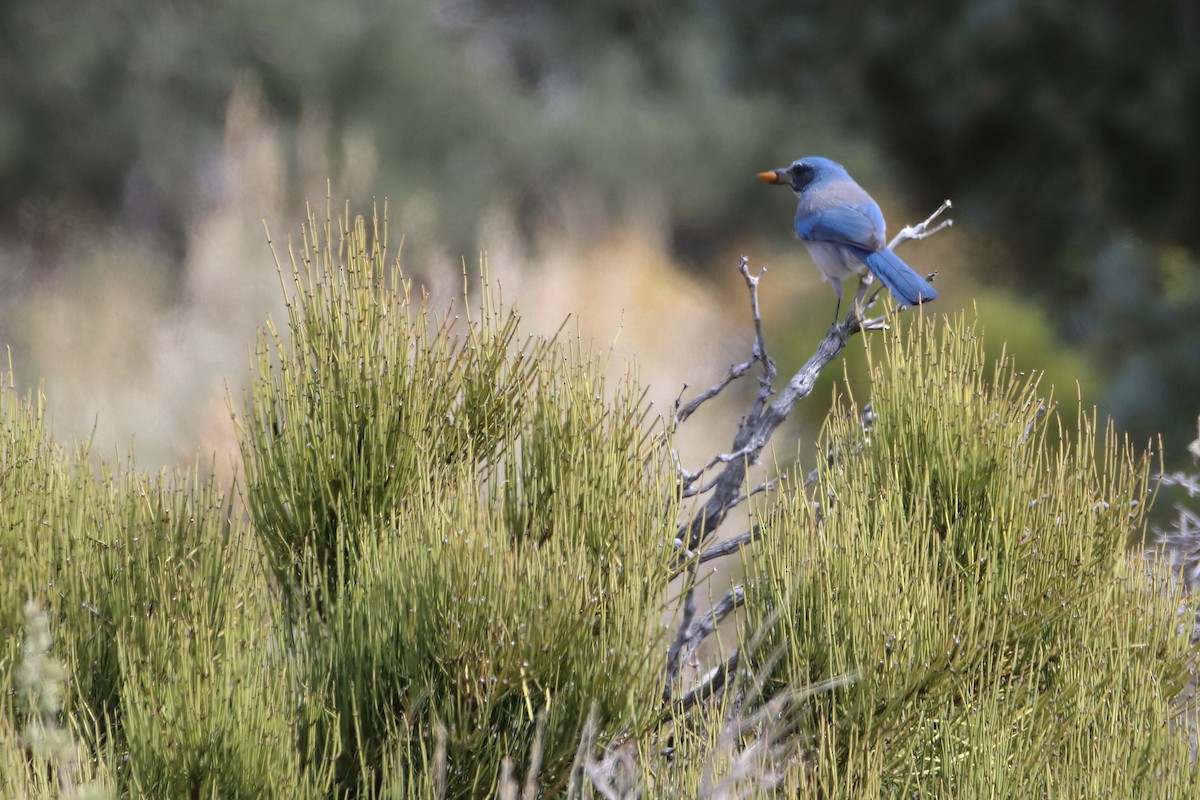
x: 116, y: 110
x: 109, y: 109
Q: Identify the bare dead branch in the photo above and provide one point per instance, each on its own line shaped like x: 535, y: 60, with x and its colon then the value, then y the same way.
x: 736, y: 371
x: 730, y: 546
x: 1191, y: 483
x: 712, y: 682
x: 756, y: 429
x: 707, y: 624
x: 760, y: 339
x: 758, y: 350
x: 922, y: 230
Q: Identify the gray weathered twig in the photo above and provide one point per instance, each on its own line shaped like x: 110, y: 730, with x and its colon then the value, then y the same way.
x: 707, y: 624
x: 758, y: 351
x: 922, y: 230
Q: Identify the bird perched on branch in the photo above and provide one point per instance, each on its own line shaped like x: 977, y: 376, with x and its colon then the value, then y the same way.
x: 844, y: 231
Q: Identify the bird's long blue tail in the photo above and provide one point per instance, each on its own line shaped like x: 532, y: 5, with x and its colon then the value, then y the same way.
x: 907, y: 286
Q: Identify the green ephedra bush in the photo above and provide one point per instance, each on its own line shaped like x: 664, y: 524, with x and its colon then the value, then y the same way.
x: 469, y: 528
x: 962, y: 558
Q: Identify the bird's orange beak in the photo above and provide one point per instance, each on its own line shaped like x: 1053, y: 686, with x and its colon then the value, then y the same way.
x: 770, y: 176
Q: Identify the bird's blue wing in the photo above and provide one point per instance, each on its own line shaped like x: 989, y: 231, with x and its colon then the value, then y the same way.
x: 857, y: 226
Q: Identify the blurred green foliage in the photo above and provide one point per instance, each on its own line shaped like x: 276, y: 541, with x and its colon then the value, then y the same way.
x: 467, y: 104
x: 1044, y: 119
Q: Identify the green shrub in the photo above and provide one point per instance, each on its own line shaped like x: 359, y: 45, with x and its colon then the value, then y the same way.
x: 962, y: 559
x: 159, y: 612
x: 470, y: 528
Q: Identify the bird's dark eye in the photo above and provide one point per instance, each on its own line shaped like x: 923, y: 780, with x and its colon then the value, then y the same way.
x: 802, y: 174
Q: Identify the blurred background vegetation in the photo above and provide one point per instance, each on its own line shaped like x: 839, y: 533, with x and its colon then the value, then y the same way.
x: 603, y: 153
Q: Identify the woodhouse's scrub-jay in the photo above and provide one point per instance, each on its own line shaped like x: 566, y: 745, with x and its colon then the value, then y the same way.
x: 844, y: 231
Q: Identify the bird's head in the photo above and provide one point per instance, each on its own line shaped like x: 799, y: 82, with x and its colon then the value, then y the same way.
x: 804, y: 173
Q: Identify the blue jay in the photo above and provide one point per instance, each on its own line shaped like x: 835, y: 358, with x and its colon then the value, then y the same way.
x: 844, y: 231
